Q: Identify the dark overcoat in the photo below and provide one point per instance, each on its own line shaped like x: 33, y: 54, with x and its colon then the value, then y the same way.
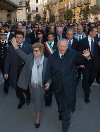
x: 12, y: 62
x: 62, y: 73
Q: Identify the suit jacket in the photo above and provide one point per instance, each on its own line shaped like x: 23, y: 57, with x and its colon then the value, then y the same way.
x: 62, y: 73
x: 12, y: 62
x: 63, y: 36
x: 25, y: 75
x: 32, y: 37
x: 3, y: 51
x: 46, y: 52
x: 84, y: 44
x: 76, y: 35
x: 75, y: 44
x: 28, y: 40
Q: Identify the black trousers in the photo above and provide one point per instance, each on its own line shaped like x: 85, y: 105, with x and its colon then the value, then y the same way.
x: 19, y: 91
x: 89, y: 74
x: 6, y: 82
x: 20, y: 94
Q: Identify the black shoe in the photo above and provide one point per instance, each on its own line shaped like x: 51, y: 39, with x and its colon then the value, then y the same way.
x: 6, y: 91
x: 20, y: 105
x: 28, y: 101
x: 87, y: 100
x: 37, y: 125
x: 60, y: 118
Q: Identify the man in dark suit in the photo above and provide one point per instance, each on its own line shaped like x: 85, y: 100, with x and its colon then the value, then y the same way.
x: 32, y: 35
x: 26, y: 38
x: 14, y: 65
x: 3, y: 50
x: 61, y: 71
x: 89, y: 70
x: 72, y: 42
x: 59, y: 34
x: 50, y: 47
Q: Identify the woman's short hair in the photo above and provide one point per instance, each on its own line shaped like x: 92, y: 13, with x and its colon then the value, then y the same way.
x: 38, y: 45
x: 40, y: 31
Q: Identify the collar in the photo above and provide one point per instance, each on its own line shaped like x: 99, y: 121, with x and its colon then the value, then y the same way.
x: 89, y: 38
x: 51, y: 42
x: 21, y: 44
x: 60, y: 55
x: 70, y: 41
x: 5, y: 41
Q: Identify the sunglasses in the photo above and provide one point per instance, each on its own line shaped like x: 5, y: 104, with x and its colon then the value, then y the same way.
x: 36, y: 27
x: 36, y: 51
x: 39, y: 33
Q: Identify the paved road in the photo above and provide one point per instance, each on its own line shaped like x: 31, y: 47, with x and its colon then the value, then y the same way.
x: 85, y: 119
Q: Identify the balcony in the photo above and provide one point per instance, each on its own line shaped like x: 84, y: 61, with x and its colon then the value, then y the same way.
x: 87, y: 2
x: 73, y: 5
x: 9, y: 5
x: 80, y: 3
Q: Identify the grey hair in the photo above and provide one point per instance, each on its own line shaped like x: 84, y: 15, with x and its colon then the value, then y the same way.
x: 70, y: 30
x: 63, y: 40
x: 59, y: 28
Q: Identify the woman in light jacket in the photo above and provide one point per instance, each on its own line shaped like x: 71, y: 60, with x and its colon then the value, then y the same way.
x: 33, y: 74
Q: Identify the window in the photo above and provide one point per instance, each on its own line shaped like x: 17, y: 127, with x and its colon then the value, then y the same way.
x: 36, y: 1
x: 36, y: 9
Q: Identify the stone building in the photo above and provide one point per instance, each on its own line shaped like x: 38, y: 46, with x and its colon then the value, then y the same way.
x: 8, y: 10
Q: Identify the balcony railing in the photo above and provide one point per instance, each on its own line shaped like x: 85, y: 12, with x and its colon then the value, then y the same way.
x: 16, y: 2
x: 87, y: 2
x: 80, y: 3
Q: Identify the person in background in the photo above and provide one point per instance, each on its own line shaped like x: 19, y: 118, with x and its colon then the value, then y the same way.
x: 14, y: 65
x: 3, y: 50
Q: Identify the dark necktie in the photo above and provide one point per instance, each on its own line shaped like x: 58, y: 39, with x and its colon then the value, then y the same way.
x: 92, y: 47
x: 62, y: 56
x: 3, y: 42
x: 19, y: 45
x: 69, y: 45
x: 79, y: 37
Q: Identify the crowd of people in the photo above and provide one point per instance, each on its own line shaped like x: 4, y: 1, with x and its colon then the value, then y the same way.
x: 39, y: 59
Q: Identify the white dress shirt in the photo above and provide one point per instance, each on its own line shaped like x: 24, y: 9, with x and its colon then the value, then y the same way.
x: 71, y: 41
x: 89, y: 39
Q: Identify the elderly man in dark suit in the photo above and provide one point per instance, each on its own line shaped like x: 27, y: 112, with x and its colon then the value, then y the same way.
x: 59, y: 34
x: 61, y: 70
x: 72, y: 42
x: 89, y: 70
x: 14, y: 65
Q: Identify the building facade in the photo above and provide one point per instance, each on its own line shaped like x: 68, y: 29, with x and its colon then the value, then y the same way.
x: 21, y: 11
x: 36, y: 7
x: 8, y: 10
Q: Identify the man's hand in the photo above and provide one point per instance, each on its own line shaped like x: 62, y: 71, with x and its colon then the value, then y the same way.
x: 99, y: 43
x: 81, y: 66
x: 6, y: 76
x: 47, y: 86
x: 86, y: 53
x: 14, y: 43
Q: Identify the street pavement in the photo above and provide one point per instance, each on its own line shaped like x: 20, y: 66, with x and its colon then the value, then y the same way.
x: 86, y: 118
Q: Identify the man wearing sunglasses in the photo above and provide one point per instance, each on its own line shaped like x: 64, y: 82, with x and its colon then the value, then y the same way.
x: 33, y: 35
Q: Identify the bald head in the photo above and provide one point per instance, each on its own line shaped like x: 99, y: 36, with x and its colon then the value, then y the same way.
x: 59, y: 31
x: 80, y: 29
